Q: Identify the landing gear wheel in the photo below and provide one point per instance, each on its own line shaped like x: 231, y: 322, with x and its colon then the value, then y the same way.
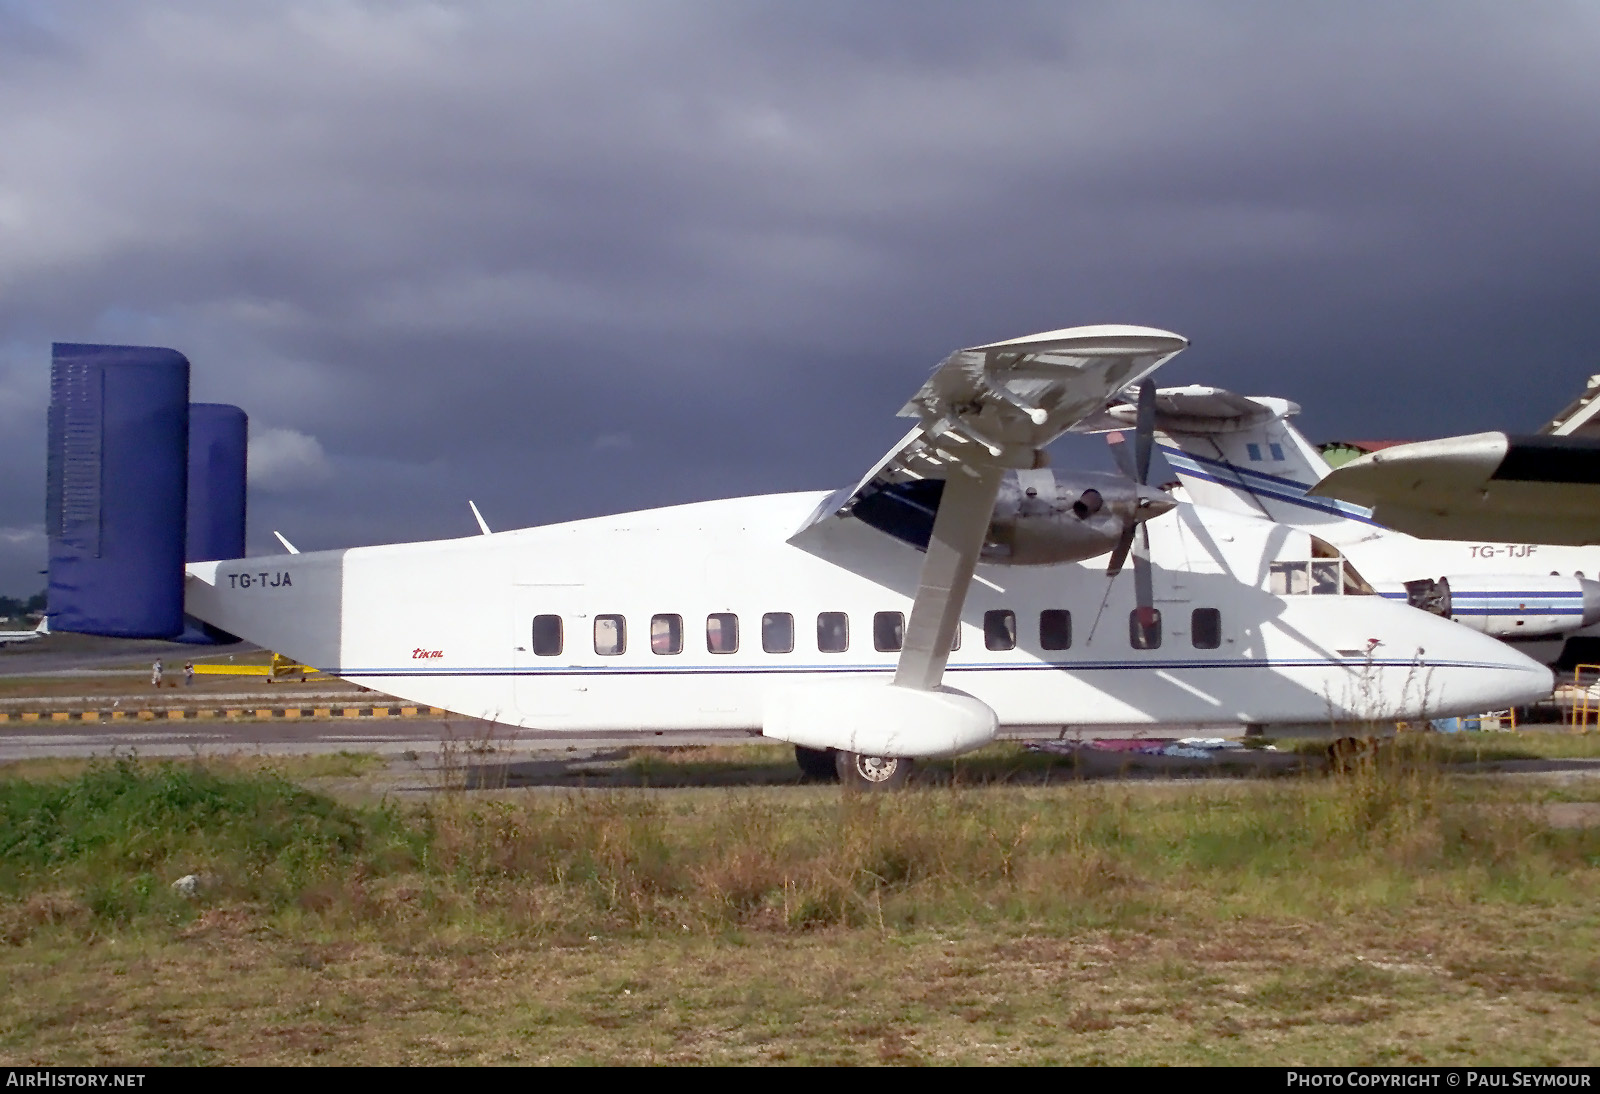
x: 858, y: 772
x: 816, y: 764
x: 1348, y: 754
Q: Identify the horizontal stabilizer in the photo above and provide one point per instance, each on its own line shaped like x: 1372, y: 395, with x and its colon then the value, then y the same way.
x: 1194, y: 410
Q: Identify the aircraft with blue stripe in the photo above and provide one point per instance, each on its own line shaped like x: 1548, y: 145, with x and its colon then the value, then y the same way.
x: 959, y: 587
x: 1243, y: 455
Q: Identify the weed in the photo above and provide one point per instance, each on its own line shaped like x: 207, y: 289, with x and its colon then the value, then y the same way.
x: 1075, y: 922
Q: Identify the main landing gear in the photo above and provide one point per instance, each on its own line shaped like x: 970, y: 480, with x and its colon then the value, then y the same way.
x: 816, y: 764
x: 1349, y: 754
x: 858, y: 772
x: 851, y: 769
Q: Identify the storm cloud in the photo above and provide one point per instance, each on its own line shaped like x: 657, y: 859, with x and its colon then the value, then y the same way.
x: 566, y: 259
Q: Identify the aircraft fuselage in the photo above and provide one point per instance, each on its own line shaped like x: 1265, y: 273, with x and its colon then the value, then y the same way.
x: 674, y: 618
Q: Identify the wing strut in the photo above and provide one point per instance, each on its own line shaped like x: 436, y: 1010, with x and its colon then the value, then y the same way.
x: 958, y: 531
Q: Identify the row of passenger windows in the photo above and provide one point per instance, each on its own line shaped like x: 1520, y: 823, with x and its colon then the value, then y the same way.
x: 833, y: 632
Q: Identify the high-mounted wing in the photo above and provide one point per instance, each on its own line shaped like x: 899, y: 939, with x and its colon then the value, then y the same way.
x: 984, y: 410
x: 1484, y: 486
x: 999, y: 404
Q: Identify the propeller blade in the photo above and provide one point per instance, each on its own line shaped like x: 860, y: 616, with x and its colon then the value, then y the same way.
x: 1144, y: 439
x: 1120, y: 454
x: 1120, y: 554
x: 1143, y: 586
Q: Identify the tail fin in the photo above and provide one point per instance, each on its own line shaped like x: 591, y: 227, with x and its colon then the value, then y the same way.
x: 1240, y: 454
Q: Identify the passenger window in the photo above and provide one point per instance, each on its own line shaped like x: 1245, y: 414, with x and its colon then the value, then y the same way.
x: 1325, y: 577
x: 610, y: 635
x: 1288, y: 579
x: 666, y: 634
x: 888, y: 631
x: 1205, y: 628
x: 1145, y: 633
x: 1000, y: 630
x: 833, y: 632
x: 1055, y: 629
x: 777, y: 632
x: 547, y: 635
x: 722, y: 632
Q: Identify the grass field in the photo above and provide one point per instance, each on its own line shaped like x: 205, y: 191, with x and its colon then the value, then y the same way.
x: 1401, y: 914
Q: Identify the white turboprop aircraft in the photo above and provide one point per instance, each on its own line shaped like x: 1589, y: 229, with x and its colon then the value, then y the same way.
x: 842, y: 623
x: 8, y: 637
x: 1243, y: 455
x: 1488, y: 485
x: 1485, y: 485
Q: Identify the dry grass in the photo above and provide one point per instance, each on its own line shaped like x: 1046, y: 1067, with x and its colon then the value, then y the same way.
x: 1458, y: 990
x: 1396, y: 916
x: 284, y: 765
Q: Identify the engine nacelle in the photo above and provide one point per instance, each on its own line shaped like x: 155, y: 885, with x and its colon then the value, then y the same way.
x: 1040, y: 518
x: 1510, y: 605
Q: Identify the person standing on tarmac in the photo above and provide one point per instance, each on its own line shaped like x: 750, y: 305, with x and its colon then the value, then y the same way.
x: 155, y: 674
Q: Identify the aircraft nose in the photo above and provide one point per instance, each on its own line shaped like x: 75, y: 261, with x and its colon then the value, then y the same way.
x: 1487, y: 674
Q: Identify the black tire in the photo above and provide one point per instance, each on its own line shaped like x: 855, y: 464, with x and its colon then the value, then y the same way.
x: 858, y: 772
x: 816, y: 764
x: 1349, y: 754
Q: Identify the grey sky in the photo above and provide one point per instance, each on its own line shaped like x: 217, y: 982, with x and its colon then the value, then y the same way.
x: 567, y: 259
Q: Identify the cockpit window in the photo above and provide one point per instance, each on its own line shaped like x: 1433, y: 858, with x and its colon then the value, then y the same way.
x: 1354, y: 583
x: 1328, y: 573
x: 1289, y: 579
x: 1325, y: 577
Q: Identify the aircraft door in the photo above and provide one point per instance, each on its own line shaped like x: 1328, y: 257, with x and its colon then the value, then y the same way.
x: 549, y: 640
x: 550, y: 635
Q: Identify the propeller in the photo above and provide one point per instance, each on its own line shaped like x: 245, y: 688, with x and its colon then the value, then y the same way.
x: 1135, y: 537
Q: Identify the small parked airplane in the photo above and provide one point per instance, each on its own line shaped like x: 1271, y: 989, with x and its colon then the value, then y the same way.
x: 7, y: 637
x: 1242, y: 454
x: 952, y: 590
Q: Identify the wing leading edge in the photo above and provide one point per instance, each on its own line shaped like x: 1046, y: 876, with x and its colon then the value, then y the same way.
x: 999, y: 404
x: 984, y: 410
x: 1540, y: 489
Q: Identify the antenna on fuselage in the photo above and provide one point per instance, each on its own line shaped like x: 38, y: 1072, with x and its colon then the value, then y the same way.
x: 287, y: 546
x: 481, y: 522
